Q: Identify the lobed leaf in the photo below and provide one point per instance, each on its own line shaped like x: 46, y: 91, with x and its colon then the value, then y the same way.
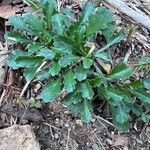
x: 51, y: 91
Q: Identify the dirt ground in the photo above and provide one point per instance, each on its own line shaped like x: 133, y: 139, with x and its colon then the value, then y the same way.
x: 55, y: 127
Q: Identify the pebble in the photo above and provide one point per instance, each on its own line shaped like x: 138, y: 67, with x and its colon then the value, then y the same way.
x: 56, y: 136
x: 79, y: 122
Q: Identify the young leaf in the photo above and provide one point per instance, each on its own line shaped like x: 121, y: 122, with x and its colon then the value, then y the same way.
x: 80, y: 73
x: 54, y: 69
x: 87, y: 62
x: 85, y: 111
x: 69, y: 81
x: 51, y: 91
x: 99, y: 20
x: 121, y: 71
x: 87, y: 91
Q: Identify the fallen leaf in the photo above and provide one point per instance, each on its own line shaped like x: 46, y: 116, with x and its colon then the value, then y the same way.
x: 105, y: 66
x: 6, y: 11
x: 121, y: 141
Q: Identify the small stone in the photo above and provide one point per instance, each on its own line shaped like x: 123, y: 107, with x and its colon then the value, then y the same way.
x: 57, y: 121
x: 56, y: 136
x: 18, y: 138
x: 66, y: 125
x: 79, y: 122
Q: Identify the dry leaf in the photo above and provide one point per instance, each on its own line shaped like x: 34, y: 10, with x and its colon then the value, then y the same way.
x: 105, y: 66
x: 6, y: 11
x: 121, y: 141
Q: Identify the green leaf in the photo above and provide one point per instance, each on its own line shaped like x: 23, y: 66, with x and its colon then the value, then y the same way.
x: 67, y: 60
x: 109, y: 32
x: 34, y: 47
x: 121, y: 72
x: 96, y: 82
x: 58, y: 24
x: 29, y: 61
x: 11, y: 61
x: 143, y: 96
x: 18, y: 22
x: 49, y: 9
x: 88, y: 10
x: 34, y: 4
x: 115, y: 40
x: 104, y: 56
x: 47, y: 53
x: 43, y: 74
x: 72, y: 98
x: 121, y: 115
x: 87, y: 62
x: 99, y: 20
x: 34, y: 23
x: 136, y: 85
x: 63, y: 45
x: 147, y: 83
x: 16, y: 37
x: 80, y: 35
x: 29, y: 73
x: 54, y: 69
x: 146, y: 117
x: 85, y: 111
x: 51, y: 91
x: 114, y: 94
x: 68, y: 16
x: 80, y: 73
x: 87, y: 91
x: 69, y: 81
x: 121, y: 122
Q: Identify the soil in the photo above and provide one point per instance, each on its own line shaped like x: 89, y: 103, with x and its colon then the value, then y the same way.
x: 57, y: 129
